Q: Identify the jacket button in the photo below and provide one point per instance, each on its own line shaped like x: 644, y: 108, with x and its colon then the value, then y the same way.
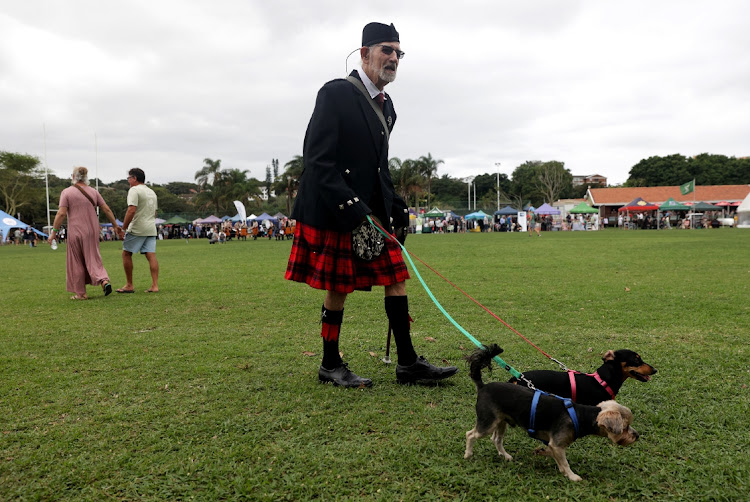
x: 347, y: 171
x: 356, y: 199
x: 349, y: 202
x: 341, y: 206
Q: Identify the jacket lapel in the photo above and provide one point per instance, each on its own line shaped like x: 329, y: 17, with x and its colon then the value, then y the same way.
x: 373, y: 122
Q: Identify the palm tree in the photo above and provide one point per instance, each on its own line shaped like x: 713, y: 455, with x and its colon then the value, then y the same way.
x: 212, y: 169
x: 237, y: 186
x: 406, y: 178
x: 427, y: 168
x: 210, y: 196
x: 288, y: 183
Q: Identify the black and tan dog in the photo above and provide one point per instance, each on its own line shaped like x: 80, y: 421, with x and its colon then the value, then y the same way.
x: 555, y: 422
x: 602, y: 385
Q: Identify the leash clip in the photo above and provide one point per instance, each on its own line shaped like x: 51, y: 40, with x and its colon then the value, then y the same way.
x: 528, y: 382
x: 562, y: 366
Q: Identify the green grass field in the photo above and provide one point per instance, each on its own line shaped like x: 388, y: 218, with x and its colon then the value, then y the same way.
x: 207, y: 391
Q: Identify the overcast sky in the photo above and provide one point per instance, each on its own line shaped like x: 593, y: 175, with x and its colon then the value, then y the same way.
x: 161, y: 85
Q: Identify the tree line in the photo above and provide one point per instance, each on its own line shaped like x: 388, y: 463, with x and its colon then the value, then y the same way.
x: 214, y: 190
x: 23, y: 191
x: 705, y: 169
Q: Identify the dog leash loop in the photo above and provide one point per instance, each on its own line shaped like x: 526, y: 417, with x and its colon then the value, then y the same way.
x: 460, y: 328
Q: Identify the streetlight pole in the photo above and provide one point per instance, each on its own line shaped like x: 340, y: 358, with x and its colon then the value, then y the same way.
x: 497, y: 165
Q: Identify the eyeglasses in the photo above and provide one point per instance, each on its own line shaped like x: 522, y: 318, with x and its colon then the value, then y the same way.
x: 388, y: 50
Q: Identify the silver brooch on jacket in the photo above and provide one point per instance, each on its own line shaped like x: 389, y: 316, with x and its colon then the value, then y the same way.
x: 390, y: 121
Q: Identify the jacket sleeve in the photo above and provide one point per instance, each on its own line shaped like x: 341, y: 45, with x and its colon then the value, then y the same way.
x: 399, y: 213
x: 321, y: 152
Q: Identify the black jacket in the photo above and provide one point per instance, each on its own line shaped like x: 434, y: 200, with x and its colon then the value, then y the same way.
x: 346, y: 173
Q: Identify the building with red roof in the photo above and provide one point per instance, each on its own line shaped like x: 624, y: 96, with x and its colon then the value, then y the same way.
x: 610, y: 200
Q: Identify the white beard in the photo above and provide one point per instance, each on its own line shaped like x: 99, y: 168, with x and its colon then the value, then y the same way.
x: 387, y: 77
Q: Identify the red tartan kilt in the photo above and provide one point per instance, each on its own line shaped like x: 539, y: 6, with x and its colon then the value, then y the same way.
x: 323, y: 259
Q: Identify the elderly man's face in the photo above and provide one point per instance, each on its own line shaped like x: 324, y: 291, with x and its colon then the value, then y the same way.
x: 380, y: 66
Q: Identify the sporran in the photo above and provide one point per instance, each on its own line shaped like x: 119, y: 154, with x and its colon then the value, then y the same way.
x: 367, y: 242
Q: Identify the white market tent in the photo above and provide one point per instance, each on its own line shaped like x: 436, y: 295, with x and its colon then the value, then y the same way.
x: 743, y: 213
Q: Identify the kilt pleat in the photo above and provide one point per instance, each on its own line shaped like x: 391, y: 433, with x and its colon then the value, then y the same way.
x: 323, y: 259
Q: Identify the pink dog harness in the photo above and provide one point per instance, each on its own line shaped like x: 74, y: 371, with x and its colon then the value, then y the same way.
x: 571, y: 375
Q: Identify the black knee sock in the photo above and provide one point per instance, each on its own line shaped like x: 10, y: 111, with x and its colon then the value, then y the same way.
x: 397, y: 309
x: 331, y: 327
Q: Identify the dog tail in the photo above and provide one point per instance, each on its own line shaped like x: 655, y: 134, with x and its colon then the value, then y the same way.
x: 479, y: 359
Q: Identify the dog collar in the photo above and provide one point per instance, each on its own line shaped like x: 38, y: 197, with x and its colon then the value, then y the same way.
x: 568, y: 407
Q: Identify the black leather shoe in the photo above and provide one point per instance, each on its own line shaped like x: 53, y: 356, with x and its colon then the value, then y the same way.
x: 342, y: 376
x: 423, y: 370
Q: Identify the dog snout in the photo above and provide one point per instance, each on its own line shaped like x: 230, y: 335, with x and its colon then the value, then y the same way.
x: 629, y: 437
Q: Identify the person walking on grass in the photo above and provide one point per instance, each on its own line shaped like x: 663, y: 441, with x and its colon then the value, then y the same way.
x: 345, y: 179
x: 83, y: 261
x: 140, y: 227
x: 533, y: 224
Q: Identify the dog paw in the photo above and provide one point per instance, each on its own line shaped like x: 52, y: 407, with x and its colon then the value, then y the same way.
x: 506, y: 457
x: 574, y: 477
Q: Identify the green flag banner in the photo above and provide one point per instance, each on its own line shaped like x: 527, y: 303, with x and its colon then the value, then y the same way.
x: 687, y: 187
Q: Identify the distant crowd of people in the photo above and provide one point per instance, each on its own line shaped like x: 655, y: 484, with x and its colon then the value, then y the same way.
x: 22, y: 237
x: 228, y: 231
x: 669, y: 220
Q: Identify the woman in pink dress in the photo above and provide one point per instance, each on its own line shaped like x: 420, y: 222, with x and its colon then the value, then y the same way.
x: 84, y: 263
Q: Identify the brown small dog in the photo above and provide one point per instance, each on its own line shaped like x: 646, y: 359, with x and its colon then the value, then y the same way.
x: 502, y: 404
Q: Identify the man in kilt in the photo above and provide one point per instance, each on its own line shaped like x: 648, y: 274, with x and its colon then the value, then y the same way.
x: 345, y: 179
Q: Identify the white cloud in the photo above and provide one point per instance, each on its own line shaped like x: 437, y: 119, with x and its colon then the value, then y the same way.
x: 163, y: 85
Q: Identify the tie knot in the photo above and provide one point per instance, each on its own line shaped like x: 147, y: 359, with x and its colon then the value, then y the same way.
x: 380, y: 99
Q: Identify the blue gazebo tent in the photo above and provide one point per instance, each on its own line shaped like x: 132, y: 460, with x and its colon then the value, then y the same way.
x: 507, y: 210
x: 265, y: 216
x: 478, y: 215
x: 7, y: 222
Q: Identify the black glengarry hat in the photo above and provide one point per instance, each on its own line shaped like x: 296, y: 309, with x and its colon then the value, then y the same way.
x: 376, y: 33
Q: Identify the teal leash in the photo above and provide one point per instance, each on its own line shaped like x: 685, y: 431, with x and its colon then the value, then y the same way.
x: 460, y: 328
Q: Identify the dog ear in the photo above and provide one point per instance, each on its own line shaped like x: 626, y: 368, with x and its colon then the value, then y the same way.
x: 611, y: 420
x: 609, y: 356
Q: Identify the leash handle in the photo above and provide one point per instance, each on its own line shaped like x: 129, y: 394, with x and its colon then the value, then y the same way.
x: 460, y: 328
